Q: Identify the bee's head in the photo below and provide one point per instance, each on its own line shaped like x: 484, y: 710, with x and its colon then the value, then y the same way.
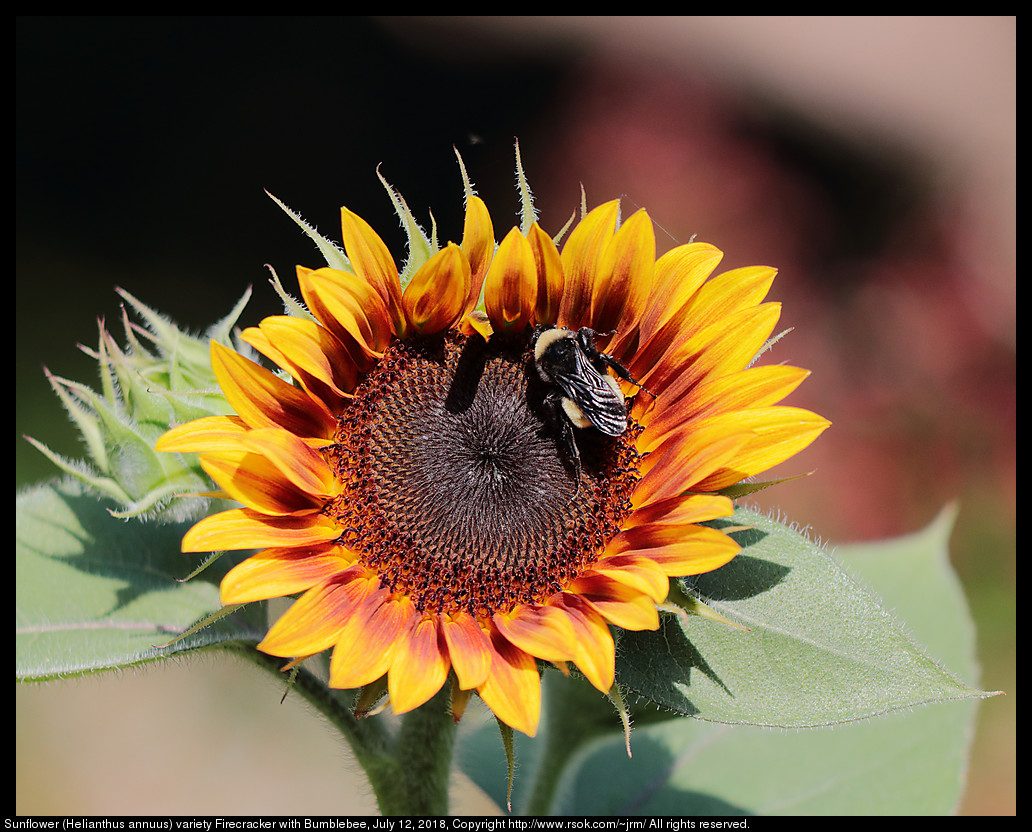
x: 545, y: 337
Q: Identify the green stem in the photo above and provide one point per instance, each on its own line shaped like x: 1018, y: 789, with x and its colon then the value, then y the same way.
x: 423, y: 752
x: 575, y: 713
x: 408, y: 769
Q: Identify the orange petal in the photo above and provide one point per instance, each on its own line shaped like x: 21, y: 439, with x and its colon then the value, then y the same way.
x: 624, y: 277
x: 365, y: 647
x: 349, y: 308
x: 310, y: 353
x: 419, y: 665
x: 436, y: 296
x: 478, y: 246
x: 476, y: 323
x: 510, y: 289
x: 264, y: 400
x: 636, y: 572
x: 468, y: 649
x: 513, y: 687
x: 257, y: 483
x: 596, y: 652
x: 373, y: 262
x: 459, y: 700
x: 302, y: 465
x: 544, y: 632
x: 550, y: 280
x: 276, y: 573
x: 681, y: 463
x: 580, y: 259
x: 242, y: 528
x: 315, y: 620
x: 616, y: 602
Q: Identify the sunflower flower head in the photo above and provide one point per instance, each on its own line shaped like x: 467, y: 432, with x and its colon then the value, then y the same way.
x: 493, y: 456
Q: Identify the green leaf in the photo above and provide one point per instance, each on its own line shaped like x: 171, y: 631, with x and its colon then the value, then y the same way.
x: 819, y: 650
x: 908, y: 762
x: 95, y: 593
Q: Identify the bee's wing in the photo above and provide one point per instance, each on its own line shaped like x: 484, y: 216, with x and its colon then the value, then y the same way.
x: 596, y: 397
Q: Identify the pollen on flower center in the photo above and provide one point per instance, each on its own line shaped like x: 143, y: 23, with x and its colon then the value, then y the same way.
x: 455, y: 488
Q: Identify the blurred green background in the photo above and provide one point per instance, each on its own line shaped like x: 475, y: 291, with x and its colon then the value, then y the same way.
x: 872, y: 160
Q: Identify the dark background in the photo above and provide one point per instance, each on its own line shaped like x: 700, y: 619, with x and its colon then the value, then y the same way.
x: 870, y: 160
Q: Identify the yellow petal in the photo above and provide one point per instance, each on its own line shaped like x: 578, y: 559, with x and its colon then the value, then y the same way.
x: 744, y: 390
x: 677, y: 276
x: 513, y: 687
x: 510, y: 289
x: 722, y: 348
x: 373, y: 262
x: 436, y: 296
x: 264, y: 400
x: 624, y: 277
x: 478, y: 246
x: 349, y: 308
x: 468, y: 649
x: 209, y: 433
x: 550, y: 280
x: 636, y: 572
x: 727, y: 293
x: 777, y: 433
x: 242, y: 528
x: 278, y: 572
x: 678, y: 550
x: 419, y: 665
x: 580, y: 259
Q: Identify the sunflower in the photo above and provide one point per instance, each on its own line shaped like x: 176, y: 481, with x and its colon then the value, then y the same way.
x: 411, y: 485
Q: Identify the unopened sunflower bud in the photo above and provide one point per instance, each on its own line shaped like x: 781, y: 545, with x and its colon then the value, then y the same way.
x: 161, y: 377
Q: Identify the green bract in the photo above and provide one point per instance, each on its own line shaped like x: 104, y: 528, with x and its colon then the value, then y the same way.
x: 161, y: 377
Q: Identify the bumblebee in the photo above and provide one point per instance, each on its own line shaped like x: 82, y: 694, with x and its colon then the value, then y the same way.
x: 583, y: 393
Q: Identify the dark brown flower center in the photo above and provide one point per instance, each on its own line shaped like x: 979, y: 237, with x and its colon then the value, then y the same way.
x: 457, y: 489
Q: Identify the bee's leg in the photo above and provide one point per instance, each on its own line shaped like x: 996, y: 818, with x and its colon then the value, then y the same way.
x: 586, y: 339
x: 554, y: 401
x: 622, y: 371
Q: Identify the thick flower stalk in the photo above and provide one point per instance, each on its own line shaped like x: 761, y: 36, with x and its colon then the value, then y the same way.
x: 409, y: 476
